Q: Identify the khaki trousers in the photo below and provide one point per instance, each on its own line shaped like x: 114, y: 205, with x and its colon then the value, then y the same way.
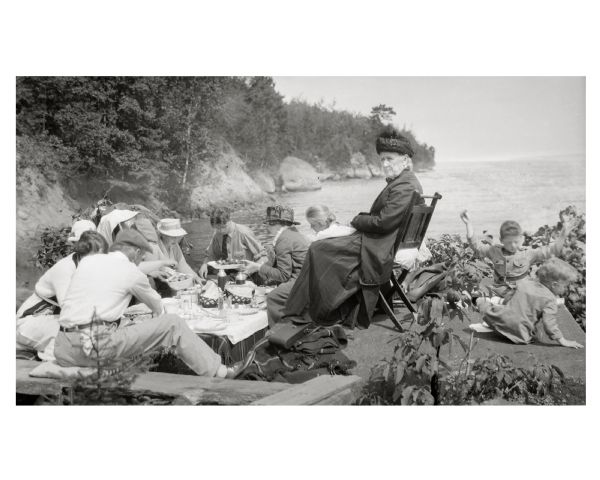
x: 126, y: 342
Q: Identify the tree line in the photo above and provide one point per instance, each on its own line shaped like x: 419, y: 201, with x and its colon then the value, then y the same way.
x: 160, y: 129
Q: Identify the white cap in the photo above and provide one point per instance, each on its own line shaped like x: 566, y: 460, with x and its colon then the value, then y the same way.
x: 79, y: 227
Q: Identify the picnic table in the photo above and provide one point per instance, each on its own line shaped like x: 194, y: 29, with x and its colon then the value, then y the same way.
x: 231, y: 332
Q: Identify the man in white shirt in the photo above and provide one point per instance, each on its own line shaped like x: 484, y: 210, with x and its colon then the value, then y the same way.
x: 101, y: 289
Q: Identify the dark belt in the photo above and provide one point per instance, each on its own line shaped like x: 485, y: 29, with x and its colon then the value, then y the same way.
x: 511, y: 279
x: 96, y: 323
x: 518, y: 277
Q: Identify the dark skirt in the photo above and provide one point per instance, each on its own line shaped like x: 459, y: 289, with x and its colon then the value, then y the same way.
x: 328, y: 289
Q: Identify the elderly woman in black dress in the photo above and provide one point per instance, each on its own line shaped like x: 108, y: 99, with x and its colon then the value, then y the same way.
x: 341, y: 277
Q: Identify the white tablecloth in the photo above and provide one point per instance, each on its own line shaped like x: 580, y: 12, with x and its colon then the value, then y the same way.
x: 234, y: 328
x: 227, y: 323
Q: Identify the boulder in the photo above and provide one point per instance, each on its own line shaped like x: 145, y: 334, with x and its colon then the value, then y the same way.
x: 298, y: 175
x: 358, y: 167
x: 265, y: 181
x: 225, y: 183
x: 362, y: 172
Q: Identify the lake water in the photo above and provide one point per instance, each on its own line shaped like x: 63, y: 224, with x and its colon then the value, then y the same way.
x: 530, y: 191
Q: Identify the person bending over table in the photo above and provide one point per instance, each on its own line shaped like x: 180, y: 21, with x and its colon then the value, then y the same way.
x: 289, y: 250
x: 118, y: 220
x: 100, y: 291
x: 231, y: 240
x: 170, y: 234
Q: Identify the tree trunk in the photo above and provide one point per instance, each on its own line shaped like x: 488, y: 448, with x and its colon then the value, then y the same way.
x: 189, y: 150
x: 188, y: 140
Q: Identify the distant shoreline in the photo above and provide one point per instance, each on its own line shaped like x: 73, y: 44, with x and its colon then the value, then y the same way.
x: 553, y: 157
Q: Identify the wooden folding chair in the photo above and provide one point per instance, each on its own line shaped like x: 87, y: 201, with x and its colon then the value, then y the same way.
x: 411, y: 234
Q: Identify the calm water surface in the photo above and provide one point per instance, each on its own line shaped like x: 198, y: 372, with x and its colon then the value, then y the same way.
x: 531, y: 192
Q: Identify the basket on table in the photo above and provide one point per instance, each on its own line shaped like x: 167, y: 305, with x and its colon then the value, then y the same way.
x: 240, y: 294
x: 209, y: 298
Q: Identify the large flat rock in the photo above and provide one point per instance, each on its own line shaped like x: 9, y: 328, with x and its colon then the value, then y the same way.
x: 378, y: 341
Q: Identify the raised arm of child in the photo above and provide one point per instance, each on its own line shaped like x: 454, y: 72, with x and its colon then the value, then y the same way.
x: 476, y: 245
x: 554, y: 248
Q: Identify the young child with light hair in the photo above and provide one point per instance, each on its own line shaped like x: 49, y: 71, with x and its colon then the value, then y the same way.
x: 532, y: 311
x: 511, y: 261
x: 323, y: 222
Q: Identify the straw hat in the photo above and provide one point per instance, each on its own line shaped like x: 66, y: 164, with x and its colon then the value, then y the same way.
x: 79, y: 227
x: 171, y: 227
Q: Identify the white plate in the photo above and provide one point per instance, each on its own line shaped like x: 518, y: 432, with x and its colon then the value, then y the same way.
x: 227, y: 266
x: 245, y: 311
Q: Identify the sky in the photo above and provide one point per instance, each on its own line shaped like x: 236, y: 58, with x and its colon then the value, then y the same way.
x: 465, y: 118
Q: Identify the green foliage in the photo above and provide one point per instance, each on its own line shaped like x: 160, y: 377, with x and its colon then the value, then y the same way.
x: 414, y: 377
x: 381, y: 114
x: 111, y: 385
x: 496, y: 378
x: 411, y: 376
x: 466, y: 270
x: 574, y: 253
x: 54, y: 246
x: 159, y: 131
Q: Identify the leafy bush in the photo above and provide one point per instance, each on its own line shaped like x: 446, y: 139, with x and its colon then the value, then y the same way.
x: 54, y: 246
x: 574, y: 253
x: 497, y: 378
x: 466, y: 270
x: 413, y: 377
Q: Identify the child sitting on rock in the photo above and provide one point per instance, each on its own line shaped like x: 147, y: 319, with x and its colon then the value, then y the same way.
x: 532, y: 310
x: 512, y: 261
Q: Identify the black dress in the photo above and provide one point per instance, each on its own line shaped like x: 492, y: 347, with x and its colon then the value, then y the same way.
x: 340, y: 278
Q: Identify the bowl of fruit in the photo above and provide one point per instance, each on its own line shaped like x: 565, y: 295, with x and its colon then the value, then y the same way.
x: 180, y: 281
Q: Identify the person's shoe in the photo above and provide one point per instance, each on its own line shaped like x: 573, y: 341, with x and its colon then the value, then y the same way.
x: 238, y: 368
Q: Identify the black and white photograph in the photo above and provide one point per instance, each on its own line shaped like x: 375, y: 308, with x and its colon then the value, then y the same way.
x: 276, y: 241
x: 378, y: 228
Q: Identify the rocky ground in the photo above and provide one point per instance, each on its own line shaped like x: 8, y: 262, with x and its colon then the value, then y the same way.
x: 370, y: 346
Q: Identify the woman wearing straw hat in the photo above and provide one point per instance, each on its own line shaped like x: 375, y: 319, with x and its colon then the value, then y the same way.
x: 170, y: 235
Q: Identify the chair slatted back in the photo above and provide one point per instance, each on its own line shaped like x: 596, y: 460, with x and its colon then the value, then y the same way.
x: 413, y: 229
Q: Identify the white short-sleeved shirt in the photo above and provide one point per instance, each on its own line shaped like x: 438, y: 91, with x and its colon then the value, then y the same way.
x: 56, y: 281
x: 105, y: 283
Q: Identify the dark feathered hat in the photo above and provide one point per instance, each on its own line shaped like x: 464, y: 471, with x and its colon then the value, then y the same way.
x: 280, y: 214
x: 390, y: 140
